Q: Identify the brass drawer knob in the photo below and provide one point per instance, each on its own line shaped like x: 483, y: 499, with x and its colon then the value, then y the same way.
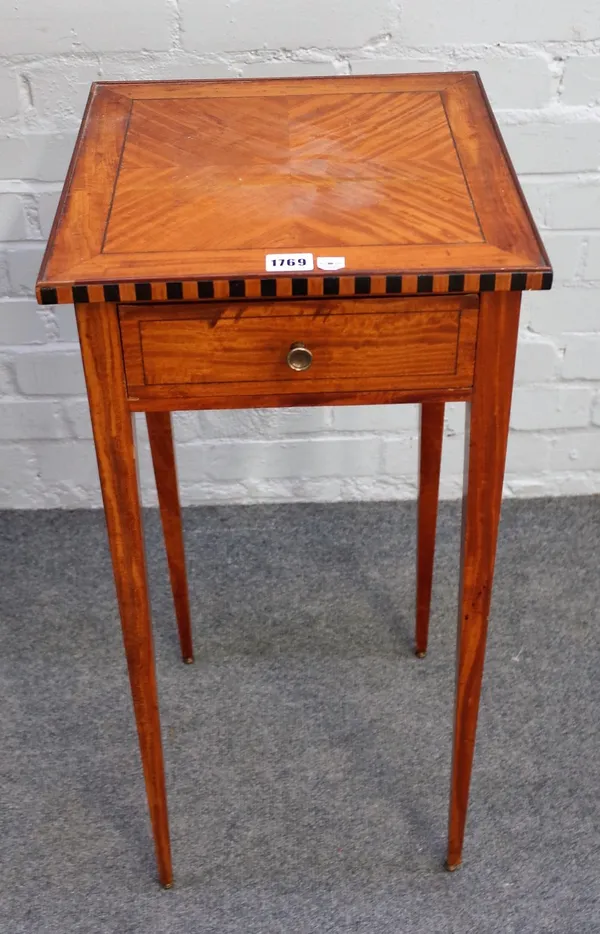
x: 299, y: 357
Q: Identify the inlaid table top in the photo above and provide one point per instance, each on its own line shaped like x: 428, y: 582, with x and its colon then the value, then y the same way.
x: 388, y: 184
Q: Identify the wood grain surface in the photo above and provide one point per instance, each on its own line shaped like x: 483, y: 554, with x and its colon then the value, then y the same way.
x: 177, y: 183
x: 485, y: 453
x: 431, y: 435
x: 160, y: 434
x: 219, y: 398
x: 115, y: 451
x: 383, y: 345
x: 175, y: 194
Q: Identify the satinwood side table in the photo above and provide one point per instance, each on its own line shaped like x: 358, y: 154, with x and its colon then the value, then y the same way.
x: 317, y: 241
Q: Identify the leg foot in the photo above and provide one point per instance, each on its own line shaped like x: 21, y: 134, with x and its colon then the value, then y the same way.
x: 420, y: 653
x: 451, y: 867
x: 189, y: 661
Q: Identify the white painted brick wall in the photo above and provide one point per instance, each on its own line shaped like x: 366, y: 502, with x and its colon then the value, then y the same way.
x: 21, y: 323
x: 573, y: 205
x: 49, y: 372
x: 23, y: 263
x: 41, y: 27
x: 554, y: 147
x: 539, y: 407
x: 540, y: 62
x: 35, y: 156
x: 247, y: 25
x: 13, y: 225
x: 9, y: 93
x: 582, y: 80
x: 592, y: 265
x: 22, y: 419
x: 433, y: 22
x: 582, y: 357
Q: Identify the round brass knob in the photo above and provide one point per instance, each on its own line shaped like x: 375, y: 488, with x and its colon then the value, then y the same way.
x: 299, y: 357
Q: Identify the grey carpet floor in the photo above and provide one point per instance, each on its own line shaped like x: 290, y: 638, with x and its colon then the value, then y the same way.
x: 307, y: 749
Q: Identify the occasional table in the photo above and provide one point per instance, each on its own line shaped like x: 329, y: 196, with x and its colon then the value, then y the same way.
x: 317, y: 241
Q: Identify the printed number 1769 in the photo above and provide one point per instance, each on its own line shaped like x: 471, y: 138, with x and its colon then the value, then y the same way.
x: 281, y: 262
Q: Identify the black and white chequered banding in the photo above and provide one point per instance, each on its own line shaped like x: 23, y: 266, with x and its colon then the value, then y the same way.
x: 295, y: 287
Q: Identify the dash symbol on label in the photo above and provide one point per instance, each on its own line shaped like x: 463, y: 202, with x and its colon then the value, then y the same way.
x: 331, y: 262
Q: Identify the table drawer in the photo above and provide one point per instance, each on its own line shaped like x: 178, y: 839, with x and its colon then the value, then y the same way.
x: 310, y: 346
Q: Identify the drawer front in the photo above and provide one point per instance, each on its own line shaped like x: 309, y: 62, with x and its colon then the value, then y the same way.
x: 244, y: 348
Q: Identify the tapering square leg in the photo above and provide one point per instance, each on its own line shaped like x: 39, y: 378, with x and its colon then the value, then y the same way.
x: 115, y: 450
x: 160, y: 433
x: 485, y: 453
x: 430, y: 458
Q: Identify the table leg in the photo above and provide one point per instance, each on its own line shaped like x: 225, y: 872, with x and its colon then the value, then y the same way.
x: 430, y: 458
x: 485, y: 452
x: 115, y: 450
x: 160, y: 434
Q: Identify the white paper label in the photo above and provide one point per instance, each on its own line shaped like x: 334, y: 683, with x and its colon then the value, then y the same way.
x: 331, y: 262
x: 289, y: 262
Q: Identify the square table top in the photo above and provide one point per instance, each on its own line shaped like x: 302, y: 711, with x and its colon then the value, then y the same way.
x: 185, y: 189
